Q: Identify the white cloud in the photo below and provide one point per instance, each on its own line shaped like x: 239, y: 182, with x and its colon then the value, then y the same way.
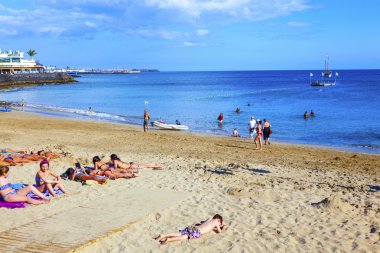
x: 156, y: 33
x: 79, y: 18
x: 48, y: 21
x: 8, y: 32
x: 202, y: 32
x: 237, y: 9
x: 193, y: 44
x: 89, y: 24
x: 298, y: 24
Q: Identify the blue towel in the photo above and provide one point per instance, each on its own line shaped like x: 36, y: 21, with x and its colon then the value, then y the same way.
x: 30, y: 194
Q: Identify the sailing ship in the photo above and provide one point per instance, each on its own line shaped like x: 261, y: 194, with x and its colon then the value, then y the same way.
x: 327, y: 78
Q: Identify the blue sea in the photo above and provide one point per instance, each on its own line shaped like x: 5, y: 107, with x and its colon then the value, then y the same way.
x: 347, y: 114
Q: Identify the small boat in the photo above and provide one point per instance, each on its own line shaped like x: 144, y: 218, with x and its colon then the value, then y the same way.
x: 73, y: 73
x: 163, y: 126
x: 327, y: 79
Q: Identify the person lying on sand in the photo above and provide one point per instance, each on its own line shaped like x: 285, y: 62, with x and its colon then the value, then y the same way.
x: 79, y: 173
x: 131, y: 166
x: 195, y: 231
x: 11, y: 195
x: 18, y: 160
x: 40, y: 155
x: 15, y: 157
x: 103, y: 169
x: 8, y: 151
x: 43, y: 182
x: 6, y: 162
x: 46, y: 154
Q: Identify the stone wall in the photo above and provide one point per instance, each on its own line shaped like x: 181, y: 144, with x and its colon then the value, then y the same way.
x: 17, y: 80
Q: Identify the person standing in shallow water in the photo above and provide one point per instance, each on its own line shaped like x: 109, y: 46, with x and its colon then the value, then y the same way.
x: 220, y: 118
x: 259, y: 134
x: 146, y: 120
x: 305, y: 115
x: 251, y: 127
x: 266, y: 131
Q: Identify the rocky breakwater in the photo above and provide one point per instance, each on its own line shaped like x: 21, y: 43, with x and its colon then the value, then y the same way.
x: 20, y: 80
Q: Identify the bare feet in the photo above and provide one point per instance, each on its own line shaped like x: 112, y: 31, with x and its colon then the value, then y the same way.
x: 164, y: 242
x: 157, y: 238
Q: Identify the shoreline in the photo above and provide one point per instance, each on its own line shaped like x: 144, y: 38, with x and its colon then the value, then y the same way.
x: 91, y: 119
x: 202, y: 175
x: 185, y: 135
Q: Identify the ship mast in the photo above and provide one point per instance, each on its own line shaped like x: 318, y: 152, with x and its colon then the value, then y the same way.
x: 327, y: 59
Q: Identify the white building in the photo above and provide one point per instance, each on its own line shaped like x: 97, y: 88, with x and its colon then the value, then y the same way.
x: 14, y: 62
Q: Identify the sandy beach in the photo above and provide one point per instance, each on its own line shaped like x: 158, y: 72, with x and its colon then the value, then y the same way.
x: 285, y: 198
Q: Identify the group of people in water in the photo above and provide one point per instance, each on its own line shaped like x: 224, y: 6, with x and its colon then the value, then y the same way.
x: 306, y: 115
x: 47, y: 181
x: 261, y: 129
x: 257, y: 130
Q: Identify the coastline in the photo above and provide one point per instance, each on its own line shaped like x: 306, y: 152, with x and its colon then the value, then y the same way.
x: 218, y: 174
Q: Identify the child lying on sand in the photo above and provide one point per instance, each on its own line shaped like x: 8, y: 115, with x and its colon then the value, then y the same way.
x: 11, y: 195
x: 192, y: 232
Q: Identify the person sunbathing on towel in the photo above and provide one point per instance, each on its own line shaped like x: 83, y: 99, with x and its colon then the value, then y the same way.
x: 11, y: 195
x: 195, y: 231
x: 134, y: 167
x: 103, y: 169
x: 44, y: 184
x: 46, y: 154
x: 7, y: 162
x: 21, y: 156
x: 79, y: 173
x: 8, y: 151
x: 18, y: 160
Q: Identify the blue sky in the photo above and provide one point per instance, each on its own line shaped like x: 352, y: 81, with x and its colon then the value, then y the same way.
x: 195, y: 34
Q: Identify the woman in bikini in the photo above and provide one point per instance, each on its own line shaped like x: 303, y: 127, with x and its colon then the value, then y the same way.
x: 43, y: 182
x: 48, y: 154
x: 11, y: 195
x: 79, y: 173
x: 259, y: 133
x: 13, y: 151
x: 103, y: 169
x: 6, y: 162
x: 133, y: 167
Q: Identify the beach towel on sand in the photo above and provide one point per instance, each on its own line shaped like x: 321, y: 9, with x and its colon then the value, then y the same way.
x: 11, y: 205
x: 5, y: 204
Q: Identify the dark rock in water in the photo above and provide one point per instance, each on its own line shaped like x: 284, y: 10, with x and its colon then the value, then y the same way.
x: 20, y: 80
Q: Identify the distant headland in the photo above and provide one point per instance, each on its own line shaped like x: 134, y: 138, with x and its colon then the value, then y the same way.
x: 16, y: 71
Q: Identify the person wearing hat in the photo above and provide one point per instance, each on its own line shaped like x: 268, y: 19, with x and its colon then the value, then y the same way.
x: 44, y: 184
x: 251, y: 126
